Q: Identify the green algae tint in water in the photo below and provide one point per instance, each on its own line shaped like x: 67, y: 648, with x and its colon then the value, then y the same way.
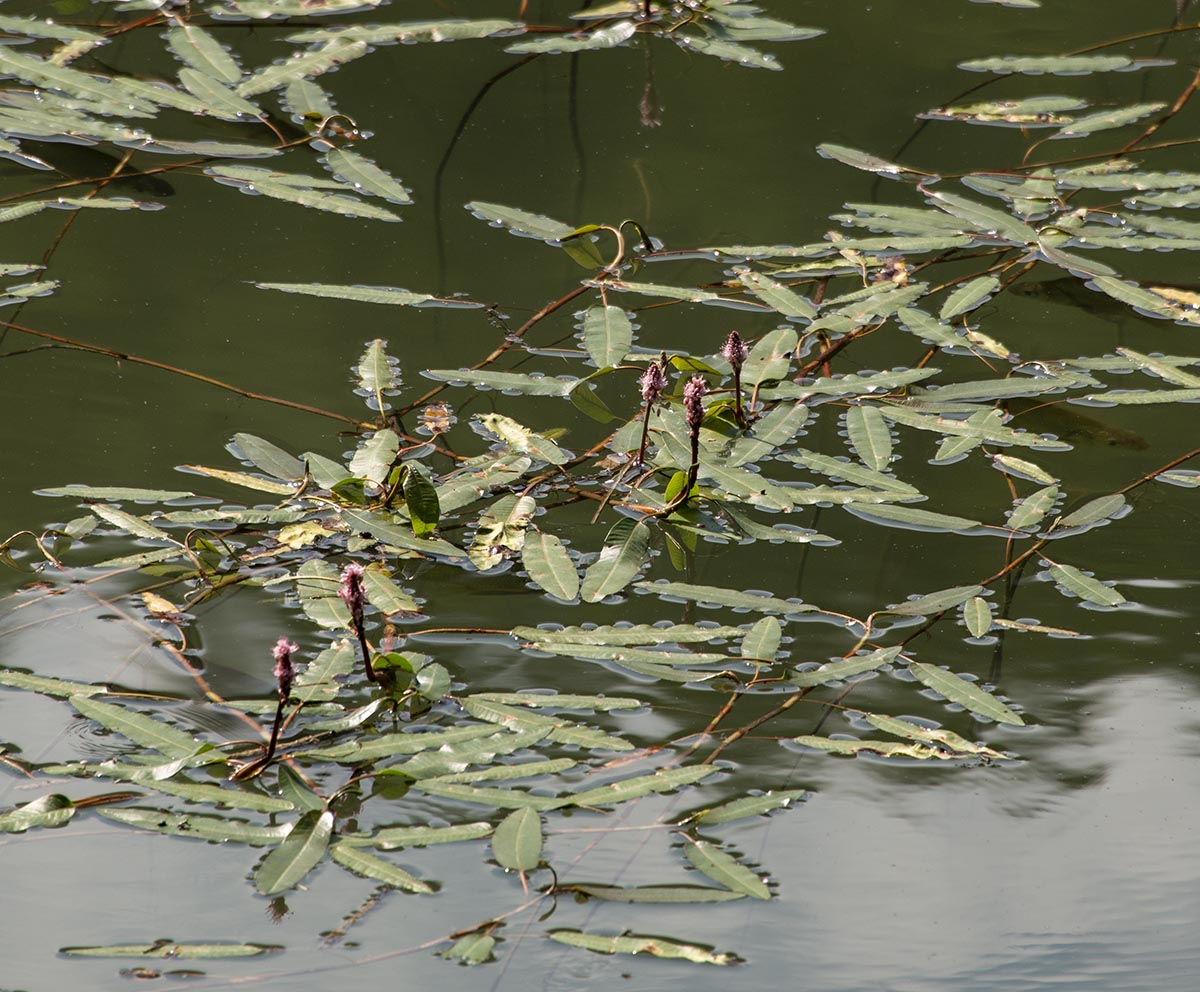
x: 585, y: 687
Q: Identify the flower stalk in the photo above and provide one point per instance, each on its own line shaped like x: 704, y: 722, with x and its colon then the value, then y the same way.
x: 285, y: 674
x: 352, y: 593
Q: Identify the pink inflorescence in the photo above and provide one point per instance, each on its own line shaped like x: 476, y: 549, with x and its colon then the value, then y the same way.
x: 351, y: 591
x: 692, y: 394
x: 653, y: 382
x: 285, y: 668
x: 735, y: 351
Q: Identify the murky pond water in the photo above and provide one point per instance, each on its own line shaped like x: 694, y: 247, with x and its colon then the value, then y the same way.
x: 1070, y: 864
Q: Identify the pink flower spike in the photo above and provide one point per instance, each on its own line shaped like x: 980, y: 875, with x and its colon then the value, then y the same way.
x: 351, y: 592
x: 735, y: 351
x: 692, y: 393
x: 285, y: 669
x: 653, y: 382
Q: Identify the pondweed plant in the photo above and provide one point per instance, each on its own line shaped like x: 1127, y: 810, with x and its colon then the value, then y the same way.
x: 717, y: 450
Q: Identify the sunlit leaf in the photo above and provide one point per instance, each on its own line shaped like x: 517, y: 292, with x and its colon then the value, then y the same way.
x: 138, y: 727
x: 366, y: 294
x: 1108, y: 119
x: 966, y: 694
x: 775, y: 428
x: 1023, y: 469
x: 1060, y: 65
x: 724, y: 869
x: 934, y: 602
x: 605, y: 37
x: 201, y: 827
x: 911, y: 518
x: 664, y: 780
x: 607, y: 335
x: 770, y: 357
x: 776, y: 295
x: 887, y: 749
x: 977, y: 615
x: 943, y: 738
x: 844, y: 669
x: 868, y: 163
x: 137, y: 526
x: 304, y: 191
x: 622, y: 557
x: 521, y: 440
x: 388, y: 745
x: 448, y: 29
x: 747, y: 806
x: 474, y: 948
x: 116, y: 493
x: 218, y: 99
x: 200, y: 50
x: 718, y: 596
x: 510, y: 382
x: 659, y: 947
x: 48, y: 686
x: 517, y: 842
x: 520, y: 222
x: 51, y: 810
x: 392, y: 838
x: 360, y: 862
x: 762, y: 642
x: 303, y: 65
x: 1093, y: 511
x: 870, y: 436
x: 163, y: 950
x: 1084, y: 586
x: 365, y: 176
x: 300, y: 852
x: 968, y: 296
x: 550, y: 565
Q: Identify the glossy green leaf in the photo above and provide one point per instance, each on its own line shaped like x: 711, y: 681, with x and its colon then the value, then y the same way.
x: 549, y: 565
x: 1023, y: 469
x: 1093, y: 511
x: 966, y: 694
x: 317, y: 587
x: 724, y: 869
x: 622, y: 557
x: 887, y: 749
x: 521, y: 440
x: 632, y: 634
x: 446, y: 29
x: 559, y: 700
x: 747, y: 806
x: 365, y: 294
x: 138, y: 727
x: 783, y: 299
x: 718, y: 596
x: 51, y: 810
x: 387, y: 597
x: 510, y: 382
x: 853, y: 473
x: 977, y: 615
x: 495, y: 798
x: 968, y: 296
x: 1059, y: 65
x: 301, y: 190
x: 520, y: 222
x: 911, y: 518
x: 934, y: 602
x: 770, y: 357
x: 137, y: 526
x: 374, y: 457
x: 659, y: 947
x: 607, y: 335
x: 1027, y: 513
x: 845, y: 668
x: 365, y: 176
x: 303, y: 65
x: 116, y: 493
x: 201, y: 827
x: 288, y: 864
x: 48, y: 686
x: 388, y: 745
x: 762, y: 641
x: 200, y: 50
x: 317, y: 682
x: 866, y: 162
x: 984, y: 221
x: 165, y: 950
x: 360, y: 862
x: 517, y: 842
x: 667, y: 895
x: 1108, y: 119
x: 1084, y: 586
x: 983, y: 426
x: 392, y: 838
x: 664, y: 780
x: 870, y: 436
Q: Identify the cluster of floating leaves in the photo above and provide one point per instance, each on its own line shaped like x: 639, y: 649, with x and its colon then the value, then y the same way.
x: 402, y: 498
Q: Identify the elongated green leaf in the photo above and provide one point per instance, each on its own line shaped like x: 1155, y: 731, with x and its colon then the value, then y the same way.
x: 365, y: 176
x: 300, y: 852
x: 762, y: 642
x: 550, y: 565
x: 934, y: 602
x: 1107, y: 119
x: 317, y: 682
x: 391, y: 838
x: 777, y: 296
x: 303, y: 65
x: 968, y: 296
x: 116, y: 493
x: 836, y: 670
x: 1023, y: 469
x: 1027, y: 513
x: 604, y: 37
x: 717, y: 596
x: 366, y: 294
x: 511, y: 382
x: 46, y: 811
x: 868, y: 163
x: 446, y: 29
x: 739, y: 809
x: 683, y: 633
x: 162, y: 950
x: 208, y: 828
x: 943, y: 738
x: 561, y: 700
x: 870, y: 436
x: 200, y: 50
x: 138, y: 727
x: 360, y: 862
x: 977, y: 615
x: 724, y: 869
x: 982, y: 426
x: 659, y: 947
x: 984, y: 221
x: 304, y: 191
x: 517, y: 842
x: 966, y: 694
x: 1084, y: 586
x: 911, y: 518
x: 493, y: 797
x: 1092, y: 512
x: 387, y: 745
x: 621, y: 559
x: 270, y: 458
x: 851, y: 472
x: 218, y: 99
x: 473, y: 949
x: 888, y: 749
x: 387, y: 597
x: 520, y: 222
x: 49, y: 686
x: 607, y: 335
x: 664, y: 780
x: 770, y: 358
x: 675, y: 895
x: 521, y: 440
x: 137, y: 526
x: 1059, y: 65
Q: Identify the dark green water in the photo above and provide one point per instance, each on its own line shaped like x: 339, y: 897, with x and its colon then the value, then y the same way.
x: 1074, y: 868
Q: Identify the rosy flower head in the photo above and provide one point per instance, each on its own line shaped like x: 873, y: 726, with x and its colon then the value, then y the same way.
x: 692, y: 393
x: 285, y: 669
x: 735, y: 351
x: 351, y: 591
x: 653, y: 382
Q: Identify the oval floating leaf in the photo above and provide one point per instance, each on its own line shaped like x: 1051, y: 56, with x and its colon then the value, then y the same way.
x: 369, y: 866
x: 726, y: 870
x: 517, y: 842
x: 621, y: 559
x: 966, y: 694
x: 303, y: 849
x: 550, y: 565
x: 977, y: 615
x: 1084, y: 586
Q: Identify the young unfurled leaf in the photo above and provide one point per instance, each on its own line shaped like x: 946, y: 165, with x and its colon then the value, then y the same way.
x: 303, y: 849
x: 724, y: 869
x: 549, y: 565
x: 517, y: 842
x: 659, y: 947
x: 966, y: 694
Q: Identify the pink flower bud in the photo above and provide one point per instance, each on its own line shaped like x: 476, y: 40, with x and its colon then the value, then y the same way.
x: 653, y: 382
x: 692, y: 393
x: 735, y: 351
x: 285, y: 670
x: 351, y: 592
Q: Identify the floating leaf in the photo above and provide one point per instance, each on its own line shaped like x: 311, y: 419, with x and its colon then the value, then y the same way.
x: 977, y: 615
x: 719, y: 596
x: 1108, y: 119
x: 517, y: 842
x: 783, y: 299
x: 606, y: 37
x: 622, y: 557
x: 664, y: 780
x: 201, y: 51
x: 1094, y: 511
x: 46, y: 811
x: 934, y: 602
x: 303, y: 65
x: 366, y: 294
x: 1060, y: 65
x: 913, y: 519
x: 870, y: 436
x: 968, y: 296
x: 659, y: 947
x: 520, y: 221
x: 165, y: 950
x: 1084, y: 586
x: 675, y: 895
x: 607, y: 335
x: 391, y: 838
x: 724, y: 869
x: 868, y: 163
x: 550, y: 565
x: 740, y: 809
x: 365, y: 176
x: 138, y: 727
x: 48, y: 686
x: 116, y: 493
x: 844, y: 669
x: 762, y: 642
x: 683, y: 633
x: 966, y: 694
x: 200, y: 827
x: 888, y: 749
x: 369, y: 866
x: 512, y: 382
x: 943, y: 738
x: 300, y: 852
x: 137, y: 526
